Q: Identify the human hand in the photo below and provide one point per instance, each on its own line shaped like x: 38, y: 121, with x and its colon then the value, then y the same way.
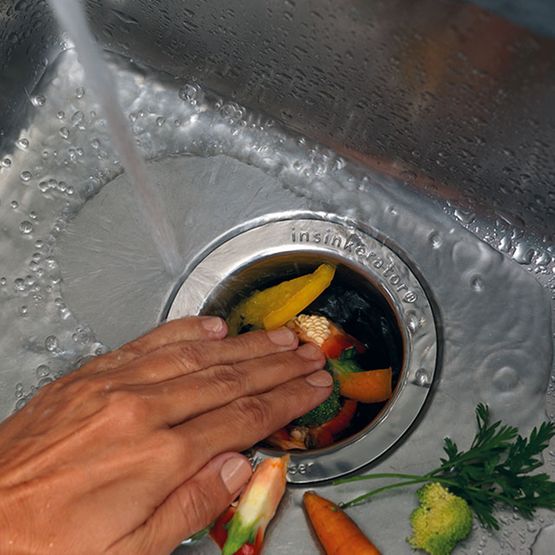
x: 138, y: 449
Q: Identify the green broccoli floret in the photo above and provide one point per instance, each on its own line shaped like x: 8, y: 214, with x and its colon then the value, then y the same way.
x: 323, y: 412
x: 440, y: 522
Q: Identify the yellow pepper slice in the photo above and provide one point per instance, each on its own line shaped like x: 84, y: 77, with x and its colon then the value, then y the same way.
x: 275, y: 306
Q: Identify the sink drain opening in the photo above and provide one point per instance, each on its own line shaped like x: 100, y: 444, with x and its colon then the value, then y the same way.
x: 374, y: 296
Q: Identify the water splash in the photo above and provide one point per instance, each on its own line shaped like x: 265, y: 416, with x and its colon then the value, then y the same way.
x: 71, y: 16
x: 222, y: 164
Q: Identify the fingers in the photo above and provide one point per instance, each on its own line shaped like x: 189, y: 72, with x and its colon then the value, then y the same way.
x: 191, y: 395
x: 183, y: 358
x: 203, y: 328
x: 191, y: 507
x: 247, y: 420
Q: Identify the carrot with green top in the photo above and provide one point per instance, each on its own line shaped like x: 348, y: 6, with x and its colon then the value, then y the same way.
x: 337, y: 533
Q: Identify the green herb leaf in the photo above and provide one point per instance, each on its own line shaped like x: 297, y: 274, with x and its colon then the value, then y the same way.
x: 493, y: 472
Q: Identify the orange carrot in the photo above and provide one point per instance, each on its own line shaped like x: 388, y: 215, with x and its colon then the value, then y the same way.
x: 337, y: 533
x: 371, y: 386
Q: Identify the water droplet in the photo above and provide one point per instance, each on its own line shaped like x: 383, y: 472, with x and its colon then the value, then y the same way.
x: 189, y: 93
x: 477, y: 284
x: 64, y: 132
x: 25, y: 176
x: 42, y: 371
x: 14, y: 204
x: 38, y: 100
x: 160, y: 121
x: 422, y: 378
x: 435, y: 240
x: 532, y: 527
x: 24, y: 310
x: 524, y: 253
x: 3, y: 281
x: 6, y: 162
x: 77, y: 118
x: 464, y: 216
x: 19, y: 284
x: 51, y: 343
x: 26, y: 227
x: 61, y: 114
x: 232, y: 112
x: 79, y: 92
x: 505, y: 243
x: 22, y: 144
x: 44, y: 381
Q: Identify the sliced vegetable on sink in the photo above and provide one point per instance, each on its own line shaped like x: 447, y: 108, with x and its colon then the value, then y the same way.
x: 441, y: 520
x: 337, y: 533
x: 241, y: 530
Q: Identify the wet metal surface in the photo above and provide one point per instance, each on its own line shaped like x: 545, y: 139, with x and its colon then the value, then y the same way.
x: 461, y: 135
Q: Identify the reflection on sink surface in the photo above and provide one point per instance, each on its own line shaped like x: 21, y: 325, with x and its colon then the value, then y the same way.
x: 437, y: 141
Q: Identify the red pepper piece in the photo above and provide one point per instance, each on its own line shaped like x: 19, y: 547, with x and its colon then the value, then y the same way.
x: 340, y: 341
x: 324, y: 435
x: 219, y: 534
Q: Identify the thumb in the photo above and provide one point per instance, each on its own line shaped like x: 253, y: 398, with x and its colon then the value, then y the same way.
x: 193, y: 505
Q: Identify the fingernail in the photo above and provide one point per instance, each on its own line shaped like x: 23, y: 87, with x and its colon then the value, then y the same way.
x: 212, y: 324
x: 309, y: 351
x: 320, y: 379
x: 281, y: 336
x: 235, y: 473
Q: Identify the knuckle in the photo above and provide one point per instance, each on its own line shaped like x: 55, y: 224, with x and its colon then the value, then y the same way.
x: 187, y: 356
x: 254, y: 409
x: 129, y: 350
x: 127, y: 407
x: 81, y: 387
x: 249, y: 342
x: 197, y: 505
x: 230, y: 379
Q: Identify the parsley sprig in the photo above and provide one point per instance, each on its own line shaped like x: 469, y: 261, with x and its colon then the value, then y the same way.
x: 494, y: 471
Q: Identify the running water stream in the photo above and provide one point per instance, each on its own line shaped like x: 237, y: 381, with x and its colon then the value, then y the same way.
x: 80, y: 271
x: 71, y: 16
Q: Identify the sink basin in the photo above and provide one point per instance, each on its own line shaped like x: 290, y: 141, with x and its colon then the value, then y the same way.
x: 427, y: 126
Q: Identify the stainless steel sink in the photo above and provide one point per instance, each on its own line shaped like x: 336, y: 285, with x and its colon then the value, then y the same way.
x: 430, y: 125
